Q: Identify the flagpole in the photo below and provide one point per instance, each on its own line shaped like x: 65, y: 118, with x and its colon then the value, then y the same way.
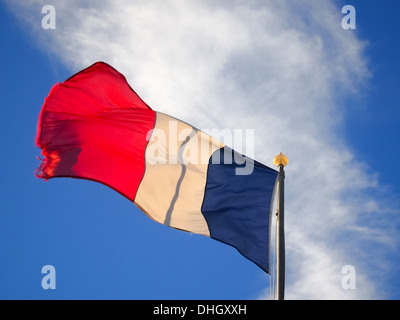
x: 281, y: 161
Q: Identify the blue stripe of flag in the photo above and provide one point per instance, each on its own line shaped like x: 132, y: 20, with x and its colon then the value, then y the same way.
x: 237, y: 207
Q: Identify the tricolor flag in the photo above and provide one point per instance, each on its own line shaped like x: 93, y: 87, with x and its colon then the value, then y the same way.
x: 94, y: 126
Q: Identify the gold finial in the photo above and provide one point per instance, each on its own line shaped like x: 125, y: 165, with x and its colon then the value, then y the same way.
x: 281, y: 160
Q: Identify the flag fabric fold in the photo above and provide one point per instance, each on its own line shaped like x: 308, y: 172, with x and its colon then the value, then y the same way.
x: 94, y: 126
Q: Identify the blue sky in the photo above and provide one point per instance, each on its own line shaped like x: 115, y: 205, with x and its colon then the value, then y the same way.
x: 342, y: 209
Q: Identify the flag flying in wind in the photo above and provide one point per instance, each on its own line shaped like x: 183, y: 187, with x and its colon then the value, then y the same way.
x: 94, y: 126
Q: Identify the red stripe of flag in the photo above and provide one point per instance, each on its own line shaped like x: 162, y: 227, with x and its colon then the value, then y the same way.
x: 95, y: 127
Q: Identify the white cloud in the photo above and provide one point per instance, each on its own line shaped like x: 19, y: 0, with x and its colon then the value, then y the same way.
x: 277, y: 67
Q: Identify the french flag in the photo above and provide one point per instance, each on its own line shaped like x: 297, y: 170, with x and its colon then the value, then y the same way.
x: 94, y: 126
